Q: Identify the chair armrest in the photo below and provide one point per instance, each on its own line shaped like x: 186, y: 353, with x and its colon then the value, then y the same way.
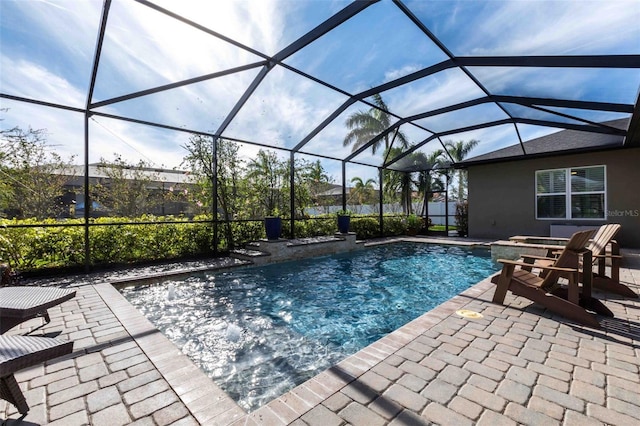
x: 528, y: 265
x: 534, y: 237
x: 608, y: 256
x: 533, y: 256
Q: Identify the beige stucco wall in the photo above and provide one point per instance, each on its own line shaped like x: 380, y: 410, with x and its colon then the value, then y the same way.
x: 502, y: 195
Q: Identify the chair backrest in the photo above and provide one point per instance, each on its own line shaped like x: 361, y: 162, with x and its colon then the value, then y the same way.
x: 569, y: 256
x: 603, y: 237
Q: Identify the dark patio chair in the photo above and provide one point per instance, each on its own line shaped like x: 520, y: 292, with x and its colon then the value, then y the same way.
x: 19, y: 352
x: 19, y: 304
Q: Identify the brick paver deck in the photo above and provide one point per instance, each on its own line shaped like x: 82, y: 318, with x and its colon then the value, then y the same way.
x: 517, y: 365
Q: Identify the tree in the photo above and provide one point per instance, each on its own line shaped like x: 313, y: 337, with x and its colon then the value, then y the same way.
x: 127, y: 189
x: 398, y: 187
x: 430, y: 180
x: 199, y: 160
x: 458, y: 152
x: 311, y: 180
x: 229, y: 176
x: 32, y: 177
x: 365, y: 125
x: 402, y: 182
x: 363, y: 191
x: 318, y: 181
x: 266, y: 177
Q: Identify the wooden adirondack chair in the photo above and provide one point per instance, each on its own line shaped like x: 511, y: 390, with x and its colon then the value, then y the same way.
x: 546, y: 290
x: 598, y: 247
x: 602, y: 239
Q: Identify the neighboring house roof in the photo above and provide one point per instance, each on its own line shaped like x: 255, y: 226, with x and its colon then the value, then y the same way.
x: 565, y: 141
x: 334, y: 190
x: 165, y: 176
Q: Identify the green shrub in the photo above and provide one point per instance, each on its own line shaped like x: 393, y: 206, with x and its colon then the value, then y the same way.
x: 394, y: 225
x: 117, y: 240
x: 365, y: 227
x: 35, y: 247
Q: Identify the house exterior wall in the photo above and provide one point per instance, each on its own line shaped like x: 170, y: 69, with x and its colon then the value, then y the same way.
x: 502, y: 197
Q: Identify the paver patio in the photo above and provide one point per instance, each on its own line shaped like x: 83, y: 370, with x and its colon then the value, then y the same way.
x: 517, y: 365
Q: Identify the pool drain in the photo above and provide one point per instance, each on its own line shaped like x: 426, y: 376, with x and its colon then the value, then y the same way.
x: 465, y: 313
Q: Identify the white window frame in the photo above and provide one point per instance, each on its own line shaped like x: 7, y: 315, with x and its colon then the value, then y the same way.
x: 568, y: 214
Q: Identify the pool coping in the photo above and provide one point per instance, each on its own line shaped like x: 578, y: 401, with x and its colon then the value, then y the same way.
x: 208, y: 403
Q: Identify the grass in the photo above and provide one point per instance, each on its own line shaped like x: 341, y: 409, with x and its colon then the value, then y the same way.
x: 441, y: 228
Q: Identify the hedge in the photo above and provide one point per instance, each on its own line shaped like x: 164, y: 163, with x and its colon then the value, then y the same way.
x: 25, y: 246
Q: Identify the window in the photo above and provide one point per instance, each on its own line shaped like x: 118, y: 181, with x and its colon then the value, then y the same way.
x: 576, y: 193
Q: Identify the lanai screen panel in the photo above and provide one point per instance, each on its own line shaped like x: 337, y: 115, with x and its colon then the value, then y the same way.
x: 489, y: 139
x: 533, y: 113
x: 201, y: 106
x: 429, y: 156
x: 267, y: 26
x: 506, y: 28
x: 330, y: 140
x: 283, y: 109
x: 591, y: 115
x: 378, y: 45
x: 587, y: 84
x: 461, y: 118
x: 41, y: 160
x: 432, y: 92
x: 41, y: 62
x: 144, y: 48
x: 400, y: 139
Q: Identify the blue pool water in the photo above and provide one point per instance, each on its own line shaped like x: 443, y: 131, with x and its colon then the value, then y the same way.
x: 260, y: 331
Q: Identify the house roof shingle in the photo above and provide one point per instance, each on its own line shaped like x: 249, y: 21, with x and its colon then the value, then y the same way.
x: 565, y: 141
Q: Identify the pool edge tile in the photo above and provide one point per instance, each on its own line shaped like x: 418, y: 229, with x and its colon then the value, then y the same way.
x: 167, y: 359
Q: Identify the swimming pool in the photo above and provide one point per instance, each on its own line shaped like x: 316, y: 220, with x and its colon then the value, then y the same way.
x: 260, y: 331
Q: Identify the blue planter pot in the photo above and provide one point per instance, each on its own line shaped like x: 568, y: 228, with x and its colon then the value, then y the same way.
x: 343, y: 224
x: 273, y: 227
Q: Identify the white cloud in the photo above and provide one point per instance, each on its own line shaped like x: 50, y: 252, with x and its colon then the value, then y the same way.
x: 436, y: 91
x: 265, y: 25
x: 32, y: 80
x: 554, y: 27
x: 401, y: 72
x: 283, y: 110
x: 491, y: 138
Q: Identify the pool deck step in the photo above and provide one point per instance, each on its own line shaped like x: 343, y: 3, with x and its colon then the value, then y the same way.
x: 281, y: 250
x: 248, y: 254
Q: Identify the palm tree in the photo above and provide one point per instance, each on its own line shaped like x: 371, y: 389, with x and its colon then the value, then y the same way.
x: 362, y: 190
x: 316, y: 181
x: 429, y: 181
x: 400, y: 182
x: 365, y: 125
x: 458, y: 152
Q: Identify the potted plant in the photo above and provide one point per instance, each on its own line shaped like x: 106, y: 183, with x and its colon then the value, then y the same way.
x: 462, y: 218
x: 414, y: 223
x: 273, y: 226
x: 344, y: 219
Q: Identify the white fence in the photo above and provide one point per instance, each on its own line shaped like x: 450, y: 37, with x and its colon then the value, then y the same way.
x: 437, y: 211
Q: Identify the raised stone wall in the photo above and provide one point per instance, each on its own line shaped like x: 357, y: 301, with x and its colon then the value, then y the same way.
x: 512, y: 250
x: 271, y: 251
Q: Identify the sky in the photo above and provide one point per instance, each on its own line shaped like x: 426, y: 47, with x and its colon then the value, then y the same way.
x: 47, y: 49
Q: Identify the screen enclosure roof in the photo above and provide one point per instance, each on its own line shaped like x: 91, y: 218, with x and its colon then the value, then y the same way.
x: 289, y: 74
